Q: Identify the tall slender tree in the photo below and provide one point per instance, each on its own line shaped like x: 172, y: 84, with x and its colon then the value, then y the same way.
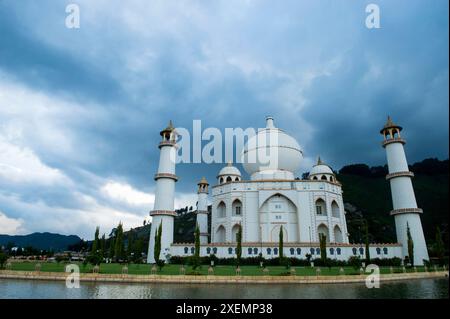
x: 196, y: 260
x: 280, y: 245
x: 157, y: 251
x: 119, y: 248
x: 94, y: 248
x: 323, y: 247
x: 439, y: 245
x: 410, y: 245
x: 366, y: 238
x: 103, y: 247
x: 239, y: 245
x: 112, y: 245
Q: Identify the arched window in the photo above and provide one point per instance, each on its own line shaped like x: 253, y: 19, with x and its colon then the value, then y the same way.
x: 317, y: 251
x: 237, y: 207
x: 354, y: 251
x: 321, y: 207
x: 315, y: 178
x: 236, y: 179
x: 192, y: 250
x: 324, y: 178
x: 322, y: 230
x: 269, y: 251
x: 220, y: 234
x: 378, y: 251
x: 275, y: 251
x: 186, y: 250
x: 234, y: 232
x: 335, y: 209
x: 338, y: 234
x: 221, y: 210
x: 208, y: 250
x: 361, y: 251
x: 299, y: 251
x: 311, y: 251
x: 385, y: 250
x: 255, y: 251
x: 214, y: 250
x: 229, y: 179
x: 292, y: 250
x: 338, y: 251
x: 230, y: 250
x: 250, y: 251
x: 331, y: 251
x: 221, y: 180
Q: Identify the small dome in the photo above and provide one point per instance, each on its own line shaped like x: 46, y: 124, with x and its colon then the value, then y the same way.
x: 229, y: 170
x: 320, y: 168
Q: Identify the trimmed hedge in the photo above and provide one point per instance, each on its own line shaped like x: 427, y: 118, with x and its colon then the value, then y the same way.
x: 295, y: 262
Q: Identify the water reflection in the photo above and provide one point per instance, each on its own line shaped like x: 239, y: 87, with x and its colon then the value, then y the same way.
x: 424, y: 288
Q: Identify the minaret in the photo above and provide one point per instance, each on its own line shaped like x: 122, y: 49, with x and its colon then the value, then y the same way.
x: 163, y: 210
x: 405, y: 210
x: 202, y: 210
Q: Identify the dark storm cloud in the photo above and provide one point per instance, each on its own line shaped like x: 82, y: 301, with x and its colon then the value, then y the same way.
x: 327, y: 79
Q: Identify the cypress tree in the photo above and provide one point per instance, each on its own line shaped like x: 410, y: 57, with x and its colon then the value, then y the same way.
x: 157, y: 251
x: 95, y: 243
x: 239, y: 245
x: 119, y: 249
x: 323, y: 247
x: 410, y: 245
x: 196, y: 261
x: 366, y: 228
x: 103, y: 247
x: 280, y: 245
x: 439, y: 245
x: 111, y: 248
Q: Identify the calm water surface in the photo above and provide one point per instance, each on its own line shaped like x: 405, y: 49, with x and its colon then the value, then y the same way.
x: 418, y: 288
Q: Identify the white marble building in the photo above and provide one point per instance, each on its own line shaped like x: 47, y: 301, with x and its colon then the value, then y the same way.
x: 273, y: 198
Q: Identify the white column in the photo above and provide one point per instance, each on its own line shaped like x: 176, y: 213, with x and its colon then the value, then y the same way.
x: 202, y: 211
x: 163, y: 210
x: 405, y: 210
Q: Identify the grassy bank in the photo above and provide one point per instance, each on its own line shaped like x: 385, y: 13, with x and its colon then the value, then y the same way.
x: 145, y: 269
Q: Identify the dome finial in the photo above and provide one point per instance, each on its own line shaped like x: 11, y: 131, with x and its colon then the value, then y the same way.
x: 269, y: 122
x: 230, y: 163
x: 319, y: 161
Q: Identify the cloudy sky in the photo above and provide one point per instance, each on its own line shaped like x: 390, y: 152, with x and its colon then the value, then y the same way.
x: 81, y: 109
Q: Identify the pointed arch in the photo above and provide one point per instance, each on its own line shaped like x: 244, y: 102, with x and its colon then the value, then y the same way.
x: 321, y: 207
x: 220, y: 234
x: 338, y: 234
x: 323, y: 229
x: 335, y: 212
x: 221, y: 209
x: 236, y: 207
x: 234, y: 232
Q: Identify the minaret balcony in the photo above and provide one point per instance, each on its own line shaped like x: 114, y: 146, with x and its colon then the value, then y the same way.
x: 399, y: 174
x: 163, y: 212
x: 406, y: 211
x: 168, y: 143
x: 166, y: 175
x: 393, y: 140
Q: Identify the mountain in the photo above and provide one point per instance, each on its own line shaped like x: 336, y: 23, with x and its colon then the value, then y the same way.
x: 43, y: 241
x: 367, y: 196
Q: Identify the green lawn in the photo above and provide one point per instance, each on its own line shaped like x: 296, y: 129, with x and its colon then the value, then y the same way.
x: 144, y: 269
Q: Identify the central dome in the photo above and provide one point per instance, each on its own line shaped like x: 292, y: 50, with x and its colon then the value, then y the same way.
x: 271, y: 154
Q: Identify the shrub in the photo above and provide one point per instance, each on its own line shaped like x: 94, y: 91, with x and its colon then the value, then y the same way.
x: 355, y: 262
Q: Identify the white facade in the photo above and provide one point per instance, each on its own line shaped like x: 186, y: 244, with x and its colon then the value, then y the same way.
x: 273, y: 199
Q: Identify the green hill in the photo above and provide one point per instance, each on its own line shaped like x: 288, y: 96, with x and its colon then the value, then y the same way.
x: 367, y: 196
